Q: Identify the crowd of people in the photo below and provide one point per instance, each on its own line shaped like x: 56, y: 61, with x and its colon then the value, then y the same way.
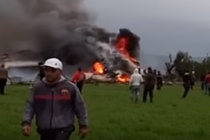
x: 55, y: 101
x: 149, y: 79
x: 152, y: 78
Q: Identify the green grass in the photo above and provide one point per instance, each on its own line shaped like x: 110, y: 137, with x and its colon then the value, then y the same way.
x: 113, y: 116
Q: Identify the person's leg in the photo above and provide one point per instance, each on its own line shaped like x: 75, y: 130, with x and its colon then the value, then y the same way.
x: 136, y: 93
x: 132, y: 93
x: 202, y: 85
x: 1, y: 86
x: 151, y: 95
x: 205, y: 88
x: 208, y: 88
x: 4, y: 85
x: 63, y: 135
x: 47, y: 135
x: 79, y: 86
x: 145, y: 94
x: 185, y: 90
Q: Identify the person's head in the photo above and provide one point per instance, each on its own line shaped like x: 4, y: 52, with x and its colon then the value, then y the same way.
x: 53, y: 69
x: 79, y: 69
x: 149, y: 70
x: 159, y: 72
x: 2, y: 65
x: 136, y: 71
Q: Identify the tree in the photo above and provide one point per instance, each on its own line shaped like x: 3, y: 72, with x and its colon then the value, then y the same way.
x: 183, y: 62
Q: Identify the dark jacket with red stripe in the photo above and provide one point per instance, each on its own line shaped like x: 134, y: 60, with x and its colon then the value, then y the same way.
x: 55, y: 106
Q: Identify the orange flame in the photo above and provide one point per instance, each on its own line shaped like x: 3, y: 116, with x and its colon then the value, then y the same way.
x: 124, y: 78
x: 122, y: 47
x: 98, y: 67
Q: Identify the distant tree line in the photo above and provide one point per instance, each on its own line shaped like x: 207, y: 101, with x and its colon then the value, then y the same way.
x: 183, y: 62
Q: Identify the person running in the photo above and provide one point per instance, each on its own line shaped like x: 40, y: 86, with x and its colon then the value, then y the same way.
x: 207, y: 83
x: 79, y: 79
x: 149, y: 85
x: 187, y: 81
x: 134, y: 84
x: 54, y: 102
x: 3, y: 79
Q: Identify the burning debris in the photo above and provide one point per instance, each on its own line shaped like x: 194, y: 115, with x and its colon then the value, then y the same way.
x: 62, y: 29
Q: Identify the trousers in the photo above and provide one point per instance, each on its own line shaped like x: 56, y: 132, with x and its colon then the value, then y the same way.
x: 56, y: 134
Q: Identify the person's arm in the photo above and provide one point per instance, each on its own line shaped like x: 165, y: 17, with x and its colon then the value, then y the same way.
x: 29, y: 110
x: 80, y: 108
x: 7, y: 75
x: 75, y: 78
x: 141, y: 80
x: 131, y: 81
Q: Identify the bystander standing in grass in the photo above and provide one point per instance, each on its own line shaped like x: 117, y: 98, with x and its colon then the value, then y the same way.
x: 159, y: 80
x: 134, y: 84
x: 207, y: 84
x: 149, y: 85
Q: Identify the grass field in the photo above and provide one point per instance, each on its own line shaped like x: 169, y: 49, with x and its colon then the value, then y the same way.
x: 113, y: 116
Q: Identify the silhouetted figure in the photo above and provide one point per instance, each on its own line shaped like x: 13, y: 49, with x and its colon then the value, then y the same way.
x: 149, y: 85
x: 187, y: 79
x: 79, y: 79
x: 3, y: 79
x: 207, y: 83
x: 159, y: 80
x: 202, y: 80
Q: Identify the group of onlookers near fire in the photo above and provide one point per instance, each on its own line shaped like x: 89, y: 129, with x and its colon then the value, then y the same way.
x: 149, y: 79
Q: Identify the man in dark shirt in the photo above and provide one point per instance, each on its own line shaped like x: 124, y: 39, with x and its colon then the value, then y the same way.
x: 159, y: 80
x: 149, y: 85
x: 187, y: 80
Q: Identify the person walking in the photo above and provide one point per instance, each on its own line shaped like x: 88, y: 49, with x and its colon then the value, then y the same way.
x: 79, y: 79
x: 3, y: 79
x: 187, y: 81
x: 149, y: 85
x: 54, y: 102
x: 134, y: 84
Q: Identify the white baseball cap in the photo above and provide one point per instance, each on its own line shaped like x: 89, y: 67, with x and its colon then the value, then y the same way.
x: 53, y: 63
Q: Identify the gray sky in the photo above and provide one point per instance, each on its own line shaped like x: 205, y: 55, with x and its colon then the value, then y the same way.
x: 163, y: 25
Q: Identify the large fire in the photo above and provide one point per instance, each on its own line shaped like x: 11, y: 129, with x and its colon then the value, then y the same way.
x: 99, y: 68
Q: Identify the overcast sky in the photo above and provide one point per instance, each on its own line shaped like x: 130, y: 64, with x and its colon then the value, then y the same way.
x: 163, y: 25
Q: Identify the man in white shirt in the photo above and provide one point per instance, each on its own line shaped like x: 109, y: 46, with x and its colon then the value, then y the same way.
x: 135, y: 83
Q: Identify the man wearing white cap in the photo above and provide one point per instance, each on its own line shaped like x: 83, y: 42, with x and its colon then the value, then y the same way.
x: 55, y: 102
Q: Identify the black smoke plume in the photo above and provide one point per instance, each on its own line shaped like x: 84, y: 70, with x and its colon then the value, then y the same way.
x: 40, y: 29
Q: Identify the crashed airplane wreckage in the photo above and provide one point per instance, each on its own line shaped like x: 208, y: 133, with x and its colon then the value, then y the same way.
x: 120, y: 58
x: 115, y: 56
